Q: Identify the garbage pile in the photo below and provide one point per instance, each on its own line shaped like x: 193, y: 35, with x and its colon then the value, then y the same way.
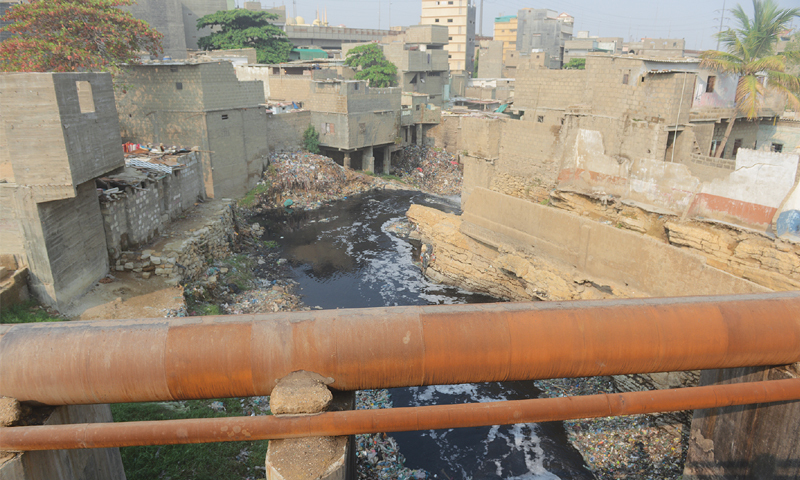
x: 430, y: 169
x: 306, y: 180
x: 377, y: 454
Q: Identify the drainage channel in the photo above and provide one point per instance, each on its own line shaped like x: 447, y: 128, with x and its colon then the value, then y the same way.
x: 354, y: 254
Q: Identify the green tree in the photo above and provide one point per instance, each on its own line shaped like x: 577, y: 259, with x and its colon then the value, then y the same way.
x: 241, y: 28
x: 751, y: 55
x: 74, y: 35
x: 372, y: 66
x: 311, y: 139
x: 477, y: 62
x: 575, y: 64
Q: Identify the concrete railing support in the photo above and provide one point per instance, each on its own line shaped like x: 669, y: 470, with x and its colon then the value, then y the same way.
x: 309, y: 458
x: 347, y: 160
x: 387, y: 160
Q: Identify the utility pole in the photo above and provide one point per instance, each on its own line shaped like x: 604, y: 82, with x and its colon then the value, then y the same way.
x: 721, y: 19
x: 481, y: 24
x: 294, y: 8
x: 379, y: 14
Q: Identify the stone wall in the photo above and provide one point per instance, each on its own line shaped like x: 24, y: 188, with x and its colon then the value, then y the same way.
x: 182, y: 257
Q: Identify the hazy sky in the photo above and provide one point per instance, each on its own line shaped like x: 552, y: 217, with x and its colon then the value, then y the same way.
x: 694, y: 20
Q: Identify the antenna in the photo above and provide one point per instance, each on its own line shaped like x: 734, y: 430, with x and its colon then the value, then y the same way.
x: 294, y: 4
x: 481, y: 24
x: 721, y: 19
x: 379, y: 14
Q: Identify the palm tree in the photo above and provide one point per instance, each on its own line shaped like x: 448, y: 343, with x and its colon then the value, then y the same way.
x: 751, y: 55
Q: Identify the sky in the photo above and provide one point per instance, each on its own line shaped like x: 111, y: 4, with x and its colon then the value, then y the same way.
x: 693, y: 20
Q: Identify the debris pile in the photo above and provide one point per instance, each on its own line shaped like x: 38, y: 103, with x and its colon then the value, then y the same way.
x: 635, y: 446
x: 430, y: 169
x: 306, y: 181
x: 377, y: 455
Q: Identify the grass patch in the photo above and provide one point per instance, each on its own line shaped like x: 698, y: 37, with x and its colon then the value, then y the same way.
x: 271, y: 244
x: 28, y: 312
x: 391, y: 177
x: 251, y: 197
x: 240, y: 271
x: 204, y: 461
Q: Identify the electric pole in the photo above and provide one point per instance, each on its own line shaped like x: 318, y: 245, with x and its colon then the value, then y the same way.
x: 481, y: 24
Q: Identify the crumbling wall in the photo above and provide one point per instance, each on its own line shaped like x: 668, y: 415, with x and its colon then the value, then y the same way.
x: 183, y: 256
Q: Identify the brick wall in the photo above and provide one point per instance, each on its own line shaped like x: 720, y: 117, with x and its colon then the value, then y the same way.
x: 290, y: 88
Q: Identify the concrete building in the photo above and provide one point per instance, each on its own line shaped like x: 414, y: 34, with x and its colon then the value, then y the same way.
x: 177, y: 21
x: 421, y: 60
x: 490, y: 54
x: 505, y: 30
x: 542, y: 30
x: 199, y: 105
x: 581, y: 47
x: 291, y: 82
x: 280, y: 11
x: 58, y: 132
x: 459, y: 18
x: 355, y: 122
x: 657, y: 47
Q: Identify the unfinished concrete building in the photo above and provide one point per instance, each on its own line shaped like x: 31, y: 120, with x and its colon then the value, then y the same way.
x: 490, y: 59
x: 199, y: 105
x: 542, y: 30
x: 291, y: 82
x: 58, y: 132
x: 356, y: 123
x: 421, y: 60
x: 582, y: 47
x: 657, y: 47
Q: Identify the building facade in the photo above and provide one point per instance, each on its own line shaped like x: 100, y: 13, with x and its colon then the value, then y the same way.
x: 542, y: 30
x: 459, y: 18
x: 505, y: 30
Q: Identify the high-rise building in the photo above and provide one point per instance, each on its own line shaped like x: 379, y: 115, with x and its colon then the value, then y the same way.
x: 459, y: 18
x: 542, y: 30
x: 505, y: 30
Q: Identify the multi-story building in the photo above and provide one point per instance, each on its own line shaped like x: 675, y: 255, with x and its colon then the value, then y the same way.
x: 542, y: 30
x: 459, y: 18
x: 422, y: 60
x: 505, y: 30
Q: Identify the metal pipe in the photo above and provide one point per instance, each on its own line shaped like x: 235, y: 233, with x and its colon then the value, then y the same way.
x: 238, y: 356
x: 169, y: 432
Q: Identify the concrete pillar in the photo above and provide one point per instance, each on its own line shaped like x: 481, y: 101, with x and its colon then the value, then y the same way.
x: 368, y: 164
x: 420, y: 140
x: 318, y: 458
x: 347, y: 160
x: 387, y: 160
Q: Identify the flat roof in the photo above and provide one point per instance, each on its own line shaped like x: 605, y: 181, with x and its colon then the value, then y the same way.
x: 504, y: 19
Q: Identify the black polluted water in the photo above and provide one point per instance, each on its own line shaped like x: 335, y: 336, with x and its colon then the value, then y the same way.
x: 350, y: 255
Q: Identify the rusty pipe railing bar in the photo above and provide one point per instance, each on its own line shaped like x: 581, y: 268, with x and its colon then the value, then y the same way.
x: 169, y: 432
x: 239, y: 356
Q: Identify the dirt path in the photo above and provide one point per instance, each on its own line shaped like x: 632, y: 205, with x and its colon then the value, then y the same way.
x: 127, y: 297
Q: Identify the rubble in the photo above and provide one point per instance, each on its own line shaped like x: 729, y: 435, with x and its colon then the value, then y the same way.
x: 634, y: 446
x: 431, y: 170
x: 377, y: 455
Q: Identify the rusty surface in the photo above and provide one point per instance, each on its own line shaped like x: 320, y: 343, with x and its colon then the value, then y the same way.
x: 169, y: 432
x: 234, y: 356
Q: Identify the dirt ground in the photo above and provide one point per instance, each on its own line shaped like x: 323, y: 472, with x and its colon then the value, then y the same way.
x: 127, y: 297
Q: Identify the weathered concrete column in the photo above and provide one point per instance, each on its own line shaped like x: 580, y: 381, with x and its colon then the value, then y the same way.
x: 420, y: 129
x: 387, y: 160
x: 368, y: 162
x: 347, y: 160
x: 309, y: 458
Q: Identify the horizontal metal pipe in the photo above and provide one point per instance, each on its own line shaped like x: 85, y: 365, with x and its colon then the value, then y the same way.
x: 168, y: 432
x: 238, y: 356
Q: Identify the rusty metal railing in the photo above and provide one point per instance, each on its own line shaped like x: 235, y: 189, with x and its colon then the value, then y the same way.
x: 212, y: 357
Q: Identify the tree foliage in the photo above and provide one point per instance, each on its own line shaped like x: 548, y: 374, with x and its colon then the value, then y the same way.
x: 372, y: 66
x: 311, y: 139
x: 750, y: 54
x: 241, y: 28
x: 74, y: 35
x: 575, y: 64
